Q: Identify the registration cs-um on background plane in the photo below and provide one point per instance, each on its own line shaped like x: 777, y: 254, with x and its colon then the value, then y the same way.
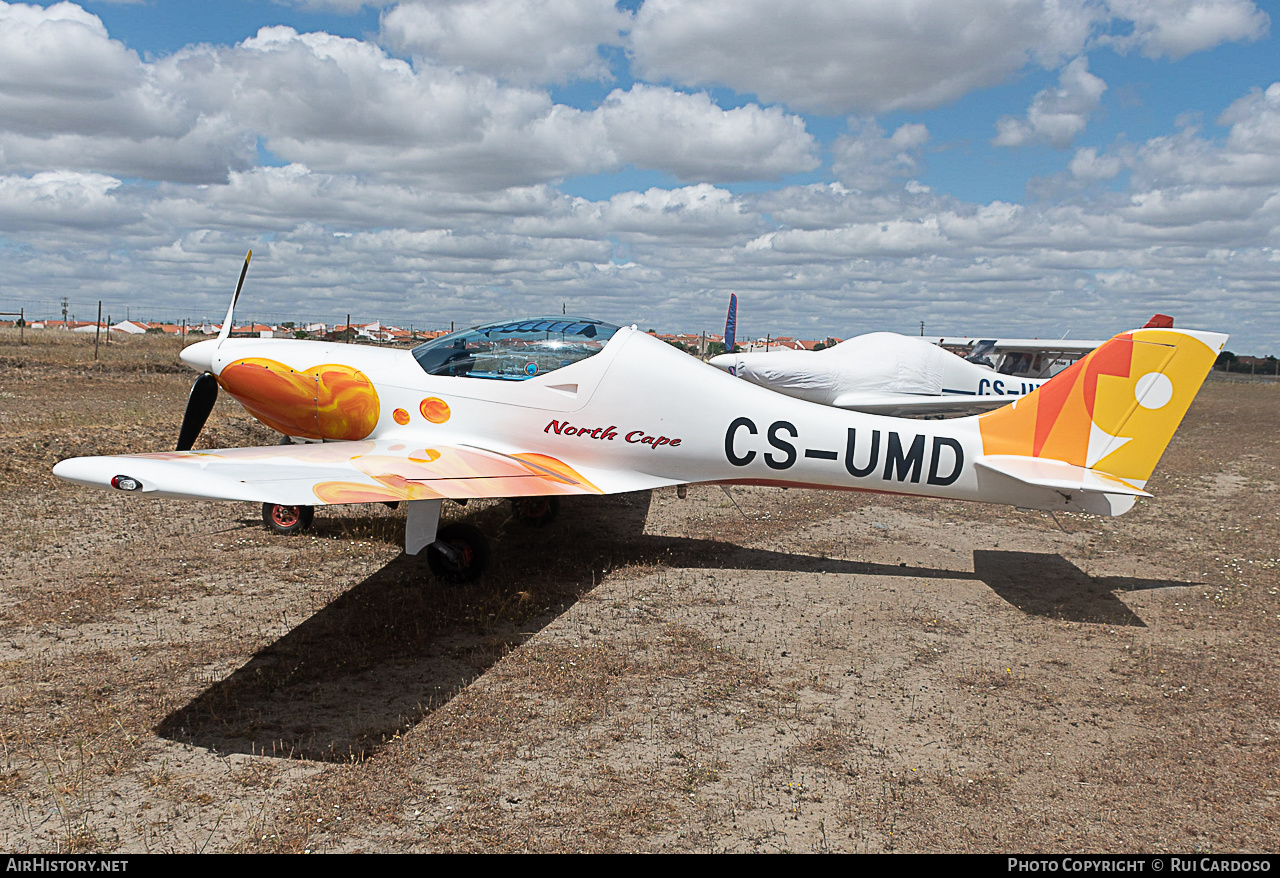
x: 557, y: 406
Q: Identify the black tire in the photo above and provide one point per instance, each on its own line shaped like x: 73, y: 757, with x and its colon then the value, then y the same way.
x: 471, y: 553
x: 535, y: 511
x: 286, y: 520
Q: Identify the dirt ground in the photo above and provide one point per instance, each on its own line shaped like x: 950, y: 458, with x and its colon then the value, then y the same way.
x: 779, y: 671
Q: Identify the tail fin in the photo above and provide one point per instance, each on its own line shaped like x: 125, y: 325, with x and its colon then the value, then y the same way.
x: 1113, y: 411
x: 731, y: 325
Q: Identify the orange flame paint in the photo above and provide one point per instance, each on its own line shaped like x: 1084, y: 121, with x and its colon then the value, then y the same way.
x: 435, y: 410
x: 324, y: 402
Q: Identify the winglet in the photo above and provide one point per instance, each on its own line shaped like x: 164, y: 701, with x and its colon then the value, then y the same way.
x: 226, y: 324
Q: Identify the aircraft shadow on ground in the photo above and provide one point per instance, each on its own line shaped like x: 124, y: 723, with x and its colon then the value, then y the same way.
x: 398, y: 645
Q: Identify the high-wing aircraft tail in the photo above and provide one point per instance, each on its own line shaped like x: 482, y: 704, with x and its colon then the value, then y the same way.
x: 1103, y: 423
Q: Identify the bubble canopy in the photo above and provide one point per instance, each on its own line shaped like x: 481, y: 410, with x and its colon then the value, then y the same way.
x: 514, y: 350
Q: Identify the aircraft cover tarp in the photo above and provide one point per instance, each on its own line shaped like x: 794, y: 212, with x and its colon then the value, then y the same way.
x: 875, y: 362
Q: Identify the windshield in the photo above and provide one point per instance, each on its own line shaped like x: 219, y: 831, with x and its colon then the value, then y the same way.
x: 514, y: 350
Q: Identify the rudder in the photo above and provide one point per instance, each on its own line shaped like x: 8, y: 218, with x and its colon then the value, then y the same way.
x: 1115, y: 410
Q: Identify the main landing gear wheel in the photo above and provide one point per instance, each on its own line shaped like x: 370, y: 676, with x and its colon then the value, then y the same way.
x: 535, y: 511
x: 287, y: 519
x: 459, y: 554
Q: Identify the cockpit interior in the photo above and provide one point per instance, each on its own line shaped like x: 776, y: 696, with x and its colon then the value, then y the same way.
x: 514, y: 350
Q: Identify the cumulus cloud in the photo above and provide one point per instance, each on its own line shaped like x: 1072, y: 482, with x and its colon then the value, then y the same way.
x: 688, y: 214
x: 1088, y: 166
x: 1255, y: 121
x: 1056, y: 115
x: 72, y: 97
x: 277, y: 198
x: 1194, y: 234
x: 62, y: 199
x: 1250, y: 156
x: 344, y: 106
x: 692, y: 138
x: 870, y: 161
x: 1176, y: 28
x: 838, y: 57
x: 62, y: 72
x: 531, y: 41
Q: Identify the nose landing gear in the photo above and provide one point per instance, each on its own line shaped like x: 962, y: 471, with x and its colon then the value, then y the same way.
x: 460, y: 553
x: 535, y: 511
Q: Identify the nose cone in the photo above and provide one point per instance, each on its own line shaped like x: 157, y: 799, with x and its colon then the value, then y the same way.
x: 199, y: 356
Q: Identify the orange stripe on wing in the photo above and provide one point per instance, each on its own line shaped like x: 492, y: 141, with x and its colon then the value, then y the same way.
x: 557, y: 470
x: 355, y: 492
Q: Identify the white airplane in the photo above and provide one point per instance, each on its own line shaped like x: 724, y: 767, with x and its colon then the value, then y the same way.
x: 557, y: 406
x: 890, y: 374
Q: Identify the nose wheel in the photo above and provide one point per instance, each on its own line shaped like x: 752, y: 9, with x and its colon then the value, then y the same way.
x: 459, y: 554
x: 287, y: 520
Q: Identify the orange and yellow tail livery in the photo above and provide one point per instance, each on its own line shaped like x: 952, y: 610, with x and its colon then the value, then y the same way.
x: 1112, y: 412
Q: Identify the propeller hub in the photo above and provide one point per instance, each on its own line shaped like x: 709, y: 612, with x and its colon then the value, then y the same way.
x: 199, y: 356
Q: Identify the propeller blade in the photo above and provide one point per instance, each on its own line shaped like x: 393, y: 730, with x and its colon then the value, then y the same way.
x: 204, y: 393
x: 226, y: 324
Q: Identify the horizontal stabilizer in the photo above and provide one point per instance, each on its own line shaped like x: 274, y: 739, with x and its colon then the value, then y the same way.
x: 907, y: 404
x: 1045, y: 472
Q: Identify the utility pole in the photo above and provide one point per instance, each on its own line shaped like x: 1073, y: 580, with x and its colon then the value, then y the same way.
x: 97, y: 329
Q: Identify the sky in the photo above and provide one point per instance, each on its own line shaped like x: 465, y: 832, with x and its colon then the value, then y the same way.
x: 1041, y: 168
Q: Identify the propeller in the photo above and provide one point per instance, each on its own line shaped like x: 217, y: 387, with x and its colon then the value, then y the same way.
x: 204, y: 393
x: 226, y: 324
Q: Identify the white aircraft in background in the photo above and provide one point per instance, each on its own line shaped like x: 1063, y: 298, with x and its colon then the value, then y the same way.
x: 890, y: 374
x: 555, y: 406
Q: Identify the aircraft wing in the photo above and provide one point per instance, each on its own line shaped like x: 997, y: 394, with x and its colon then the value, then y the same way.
x: 907, y: 405
x: 370, y: 471
x: 1071, y: 346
